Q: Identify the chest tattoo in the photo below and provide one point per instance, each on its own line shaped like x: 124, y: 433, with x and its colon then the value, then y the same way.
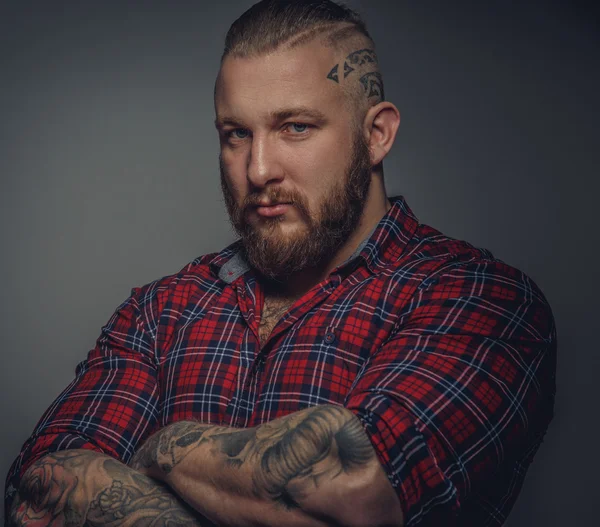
x: 273, y: 310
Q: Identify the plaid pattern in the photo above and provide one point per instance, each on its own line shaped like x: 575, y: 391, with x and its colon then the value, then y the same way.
x: 446, y: 354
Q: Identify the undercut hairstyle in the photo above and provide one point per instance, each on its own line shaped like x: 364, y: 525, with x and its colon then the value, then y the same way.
x: 272, y: 24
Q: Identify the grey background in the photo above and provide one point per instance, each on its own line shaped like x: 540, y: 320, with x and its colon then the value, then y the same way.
x: 109, y: 179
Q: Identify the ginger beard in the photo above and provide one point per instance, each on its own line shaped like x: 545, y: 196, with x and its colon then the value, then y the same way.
x: 277, y: 255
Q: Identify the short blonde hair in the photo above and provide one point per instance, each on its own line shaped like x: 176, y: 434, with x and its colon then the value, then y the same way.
x: 270, y: 24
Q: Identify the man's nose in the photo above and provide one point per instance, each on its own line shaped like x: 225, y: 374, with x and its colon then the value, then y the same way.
x: 263, y: 166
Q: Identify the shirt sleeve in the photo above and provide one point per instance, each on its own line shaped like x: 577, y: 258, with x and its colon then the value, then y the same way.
x: 464, y: 389
x: 113, y: 401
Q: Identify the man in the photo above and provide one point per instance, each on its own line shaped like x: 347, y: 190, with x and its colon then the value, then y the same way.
x: 341, y: 364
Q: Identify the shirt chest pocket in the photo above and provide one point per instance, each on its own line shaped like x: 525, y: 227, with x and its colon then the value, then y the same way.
x: 311, y: 366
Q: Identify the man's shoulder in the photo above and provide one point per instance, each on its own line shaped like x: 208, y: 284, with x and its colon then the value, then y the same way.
x: 404, y: 246
x: 439, y: 244
x: 450, y: 267
x: 429, y: 250
x: 433, y: 259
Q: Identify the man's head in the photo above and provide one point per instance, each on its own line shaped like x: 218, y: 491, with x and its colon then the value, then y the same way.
x: 303, y: 129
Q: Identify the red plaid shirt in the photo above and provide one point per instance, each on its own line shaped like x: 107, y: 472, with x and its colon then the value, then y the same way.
x: 446, y: 355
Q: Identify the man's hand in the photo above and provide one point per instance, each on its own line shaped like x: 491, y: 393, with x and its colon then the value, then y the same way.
x: 80, y: 487
x: 313, y: 467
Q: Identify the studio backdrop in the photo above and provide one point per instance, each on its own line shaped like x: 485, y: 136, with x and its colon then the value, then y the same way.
x: 109, y: 179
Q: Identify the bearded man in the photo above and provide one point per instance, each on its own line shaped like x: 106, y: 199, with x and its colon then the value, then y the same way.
x: 341, y: 364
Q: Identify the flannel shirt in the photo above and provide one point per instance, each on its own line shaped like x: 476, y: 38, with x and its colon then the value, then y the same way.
x: 446, y: 355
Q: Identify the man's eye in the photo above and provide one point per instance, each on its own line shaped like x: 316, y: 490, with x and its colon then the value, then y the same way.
x: 298, y: 127
x: 239, y: 133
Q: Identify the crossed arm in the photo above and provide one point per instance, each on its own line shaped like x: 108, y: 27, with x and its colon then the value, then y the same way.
x: 315, y: 467
x: 81, y: 487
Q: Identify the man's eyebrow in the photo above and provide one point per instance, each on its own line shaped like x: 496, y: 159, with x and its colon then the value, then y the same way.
x: 220, y: 122
x: 277, y: 116
x: 298, y: 111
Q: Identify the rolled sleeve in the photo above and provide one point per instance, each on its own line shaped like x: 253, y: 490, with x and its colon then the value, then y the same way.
x: 112, y: 403
x: 462, y: 393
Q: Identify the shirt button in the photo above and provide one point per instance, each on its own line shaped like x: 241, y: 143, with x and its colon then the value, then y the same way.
x: 329, y: 337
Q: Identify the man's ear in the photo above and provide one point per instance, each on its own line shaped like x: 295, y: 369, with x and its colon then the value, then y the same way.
x: 380, y: 126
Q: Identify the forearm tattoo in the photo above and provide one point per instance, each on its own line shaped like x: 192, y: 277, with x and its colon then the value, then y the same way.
x: 74, y: 488
x: 365, y: 63
x: 288, y: 457
x: 167, y: 448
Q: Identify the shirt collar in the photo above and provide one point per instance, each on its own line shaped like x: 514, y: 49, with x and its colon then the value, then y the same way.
x: 386, y: 244
x: 382, y: 247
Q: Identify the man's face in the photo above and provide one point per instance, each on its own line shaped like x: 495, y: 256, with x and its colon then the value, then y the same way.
x: 295, y: 169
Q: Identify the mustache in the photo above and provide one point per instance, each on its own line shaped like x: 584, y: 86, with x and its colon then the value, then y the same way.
x: 274, y: 196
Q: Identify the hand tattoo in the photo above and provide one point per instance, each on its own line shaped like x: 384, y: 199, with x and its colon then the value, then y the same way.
x: 75, y: 488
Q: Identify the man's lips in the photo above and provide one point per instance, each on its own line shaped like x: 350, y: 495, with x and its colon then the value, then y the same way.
x: 272, y: 209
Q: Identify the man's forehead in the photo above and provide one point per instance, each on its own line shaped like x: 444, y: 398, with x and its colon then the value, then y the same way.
x: 310, y: 55
x: 283, y: 78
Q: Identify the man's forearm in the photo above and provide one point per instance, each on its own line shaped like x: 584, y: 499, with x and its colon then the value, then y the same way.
x: 313, y: 467
x: 79, y: 487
